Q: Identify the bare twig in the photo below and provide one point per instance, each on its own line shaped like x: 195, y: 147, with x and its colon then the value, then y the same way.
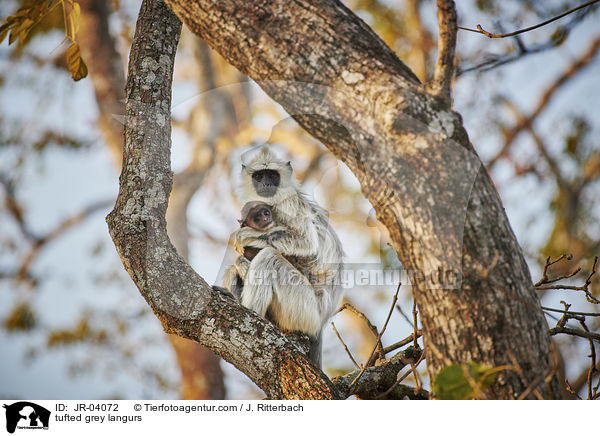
x: 571, y: 312
x: 530, y: 387
x: 575, y: 332
x: 402, y: 343
x: 549, y: 263
x: 416, y: 375
x: 405, y: 316
x: 517, y: 32
x: 414, y: 312
x: 351, y: 308
x: 584, y: 288
x: 444, y: 67
x: 581, y: 379
x: 376, y: 379
x: 345, y: 347
x: 369, y: 360
x: 571, y: 390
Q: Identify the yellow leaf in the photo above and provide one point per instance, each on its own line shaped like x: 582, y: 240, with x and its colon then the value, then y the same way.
x: 3, y: 31
x: 71, y: 12
x: 75, y: 64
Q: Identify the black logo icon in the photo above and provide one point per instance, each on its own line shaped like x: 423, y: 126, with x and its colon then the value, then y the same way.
x: 26, y: 415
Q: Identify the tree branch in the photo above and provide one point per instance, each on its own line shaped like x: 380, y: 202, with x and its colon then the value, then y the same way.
x: 378, y: 379
x: 184, y: 303
x: 444, y: 67
x: 575, y: 332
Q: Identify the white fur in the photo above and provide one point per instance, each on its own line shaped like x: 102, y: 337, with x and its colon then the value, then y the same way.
x: 295, y: 301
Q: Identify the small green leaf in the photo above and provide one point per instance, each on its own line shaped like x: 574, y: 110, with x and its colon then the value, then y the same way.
x: 75, y: 64
x: 463, y: 381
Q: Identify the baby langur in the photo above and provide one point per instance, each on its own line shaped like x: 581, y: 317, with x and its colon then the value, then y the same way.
x: 272, y: 282
x: 259, y: 216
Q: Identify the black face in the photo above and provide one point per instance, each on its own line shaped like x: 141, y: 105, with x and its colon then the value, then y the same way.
x: 261, y: 217
x: 265, y: 182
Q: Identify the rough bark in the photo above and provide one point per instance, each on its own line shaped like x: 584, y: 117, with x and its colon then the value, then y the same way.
x: 379, y: 382
x: 201, y: 374
x: 182, y: 300
x: 415, y: 164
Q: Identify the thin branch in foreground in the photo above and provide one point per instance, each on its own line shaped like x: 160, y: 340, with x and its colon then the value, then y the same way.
x: 345, y: 346
x: 570, y: 312
x: 414, y: 312
x: 590, y: 375
x: 530, y: 387
x: 537, y: 26
x: 369, y: 360
x: 373, y: 329
x: 402, y: 343
x: 378, y: 378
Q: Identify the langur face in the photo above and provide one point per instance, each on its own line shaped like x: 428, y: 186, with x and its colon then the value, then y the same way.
x: 261, y: 218
x: 266, y: 182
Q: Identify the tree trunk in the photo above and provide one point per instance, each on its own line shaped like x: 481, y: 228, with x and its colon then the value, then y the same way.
x: 415, y: 164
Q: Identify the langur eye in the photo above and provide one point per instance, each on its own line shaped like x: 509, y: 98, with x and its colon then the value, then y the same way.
x: 257, y: 176
x: 267, y: 212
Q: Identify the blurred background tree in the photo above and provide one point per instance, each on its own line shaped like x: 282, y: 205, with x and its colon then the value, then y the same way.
x: 69, y: 310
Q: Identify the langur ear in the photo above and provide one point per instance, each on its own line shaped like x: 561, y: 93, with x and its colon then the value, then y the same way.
x: 240, y: 221
x: 289, y: 164
x: 244, y: 168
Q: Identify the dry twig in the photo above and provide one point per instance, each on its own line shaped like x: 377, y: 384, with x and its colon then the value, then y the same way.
x: 403, y: 342
x: 351, y: 308
x: 517, y: 32
x: 378, y: 342
x: 585, y: 287
x: 345, y: 347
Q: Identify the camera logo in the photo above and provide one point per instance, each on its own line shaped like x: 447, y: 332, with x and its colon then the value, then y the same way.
x: 26, y: 415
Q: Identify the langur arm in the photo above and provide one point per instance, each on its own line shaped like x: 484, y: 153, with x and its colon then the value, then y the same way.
x: 241, y: 265
x: 292, y: 243
x: 282, y: 238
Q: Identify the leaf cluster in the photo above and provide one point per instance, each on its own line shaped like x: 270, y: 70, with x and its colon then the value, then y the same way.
x: 18, y: 27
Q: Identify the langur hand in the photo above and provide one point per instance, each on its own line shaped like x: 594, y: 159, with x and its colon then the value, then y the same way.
x: 241, y: 265
x: 248, y: 237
